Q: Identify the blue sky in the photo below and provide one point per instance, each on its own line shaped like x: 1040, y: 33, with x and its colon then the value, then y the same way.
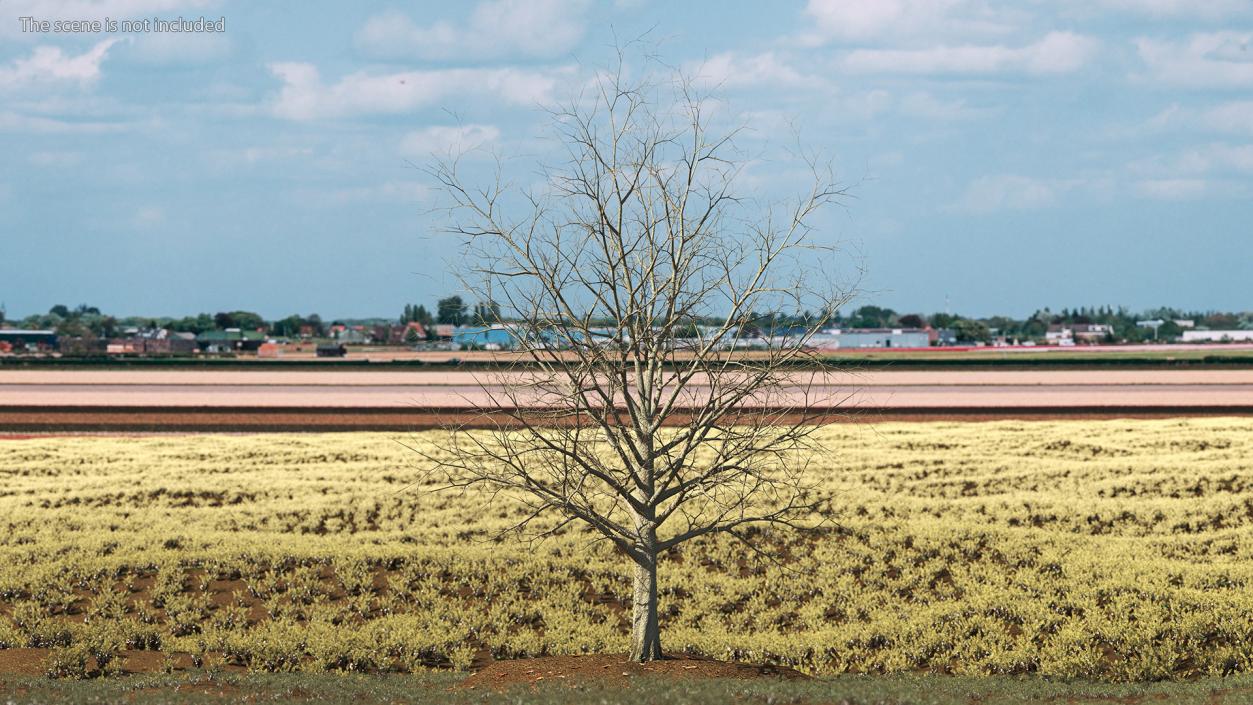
x: 1001, y: 156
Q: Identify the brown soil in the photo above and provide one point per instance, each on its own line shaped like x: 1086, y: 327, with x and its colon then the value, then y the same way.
x: 23, y: 662
x: 612, y: 669
x: 21, y: 424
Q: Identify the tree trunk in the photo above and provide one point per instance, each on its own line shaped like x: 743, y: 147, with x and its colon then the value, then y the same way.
x: 645, y: 632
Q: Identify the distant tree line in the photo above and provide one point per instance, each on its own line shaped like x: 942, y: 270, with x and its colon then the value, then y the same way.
x: 89, y: 321
x: 453, y: 310
x: 1122, y: 322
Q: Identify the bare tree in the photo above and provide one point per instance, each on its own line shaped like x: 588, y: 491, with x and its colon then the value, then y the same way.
x: 638, y: 278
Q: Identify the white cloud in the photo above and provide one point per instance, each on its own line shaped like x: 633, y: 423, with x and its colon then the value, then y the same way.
x: 1214, y: 170
x: 1205, y: 159
x: 1235, y: 117
x: 48, y: 64
x: 1214, y: 59
x: 15, y: 122
x: 847, y: 21
x: 867, y: 105
x: 1055, y: 53
x: 1230, y: 117
x: 926, y: 105
x: 386, y: 192
x: 1172, y: 189
x: 441, y: 139
x: 533, y: 28
x: 855, y: 20
x: 304, y: 96
x: 1169, y: 9
x: 235, y: 158
x: 988, y: 194
x: 731, y: 70
x: 187, y: 49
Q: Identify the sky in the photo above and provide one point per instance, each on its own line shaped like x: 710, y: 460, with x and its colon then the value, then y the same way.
x: 1000, y: 157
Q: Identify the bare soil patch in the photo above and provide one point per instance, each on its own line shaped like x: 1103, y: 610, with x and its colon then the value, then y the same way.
x: 23, y: 662
x: 26, y: 423
x: 615, y: 670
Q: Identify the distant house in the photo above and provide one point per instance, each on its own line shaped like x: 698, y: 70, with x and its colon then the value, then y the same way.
x: 29, y: 340
x: 411, y: 332
x: 1091, y: 332
x: 1217, y: 336
x: 152, y: 341
x: 445, y: 331
x: 353, y: 335
x: 125, y: 346
x: 86, y: 346
x: 230, y: 340
x: 1072, y: 333
x: 1058, y: 334
x: 149, y: 346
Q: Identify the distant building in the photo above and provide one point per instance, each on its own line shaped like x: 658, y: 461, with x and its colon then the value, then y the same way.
x: 352, y: 335
x: 29, y: 340
x: 1092, y: 332
x: 495, y: 337
x: 850, y: 338
x: 83, y: 347
x: 411, y: 332
x: 1058, y: 334
x: 1071, y: 333
x: 152, y: 341
x: 1217, y: 336
x: 150, y: 346
x: 1156, y: 323
x: 230, y: 340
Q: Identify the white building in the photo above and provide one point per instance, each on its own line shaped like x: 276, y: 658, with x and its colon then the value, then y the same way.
x: 872, y: 338
x: 1217, y: 336
x: 1071, y: 333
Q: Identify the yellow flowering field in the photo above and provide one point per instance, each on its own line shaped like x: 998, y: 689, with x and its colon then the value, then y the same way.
x: 1117, y: 550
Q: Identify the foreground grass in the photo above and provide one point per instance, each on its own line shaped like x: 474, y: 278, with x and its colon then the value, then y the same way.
x: 421, y: 689
x: 1110, y: 550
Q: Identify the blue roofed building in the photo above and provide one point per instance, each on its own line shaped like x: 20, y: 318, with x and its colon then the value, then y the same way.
x: 494, y: 337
